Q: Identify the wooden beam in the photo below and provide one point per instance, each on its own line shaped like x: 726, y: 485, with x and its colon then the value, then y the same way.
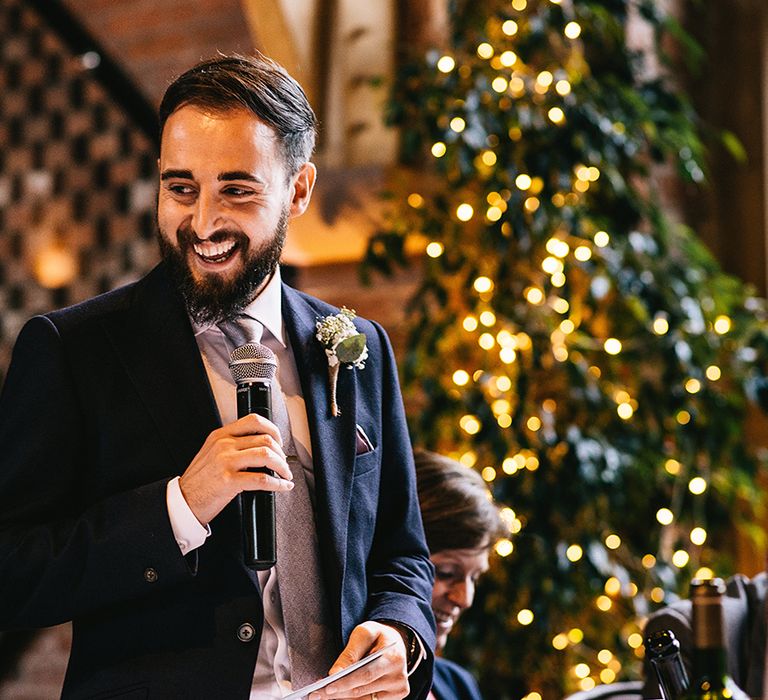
x: 273, y: 36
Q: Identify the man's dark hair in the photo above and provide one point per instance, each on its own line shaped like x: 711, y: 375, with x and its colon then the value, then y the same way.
x: 456, y: 506
x: 254, y: 83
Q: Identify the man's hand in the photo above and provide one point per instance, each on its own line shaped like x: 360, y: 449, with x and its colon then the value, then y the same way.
x: 219, y: 470
x: 386, y: 678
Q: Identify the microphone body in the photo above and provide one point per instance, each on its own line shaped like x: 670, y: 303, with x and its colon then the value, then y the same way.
x: 253, y: 366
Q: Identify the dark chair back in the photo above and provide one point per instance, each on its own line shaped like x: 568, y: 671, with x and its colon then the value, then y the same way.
x: 630, y: 690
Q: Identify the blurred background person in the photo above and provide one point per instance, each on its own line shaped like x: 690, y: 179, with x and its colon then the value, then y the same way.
x: 462, y: 524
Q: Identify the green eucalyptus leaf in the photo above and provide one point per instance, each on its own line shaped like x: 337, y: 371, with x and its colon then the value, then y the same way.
x: 350, y: 349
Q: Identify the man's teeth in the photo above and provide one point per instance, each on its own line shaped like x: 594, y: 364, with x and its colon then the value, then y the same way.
x: 214, y: 252
x: 442, y: 617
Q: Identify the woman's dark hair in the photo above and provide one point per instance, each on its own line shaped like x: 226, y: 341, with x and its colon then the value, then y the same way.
x: 456, y: 506
x: 254, y: 83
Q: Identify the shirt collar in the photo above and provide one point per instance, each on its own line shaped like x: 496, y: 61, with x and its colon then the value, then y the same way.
x: 267, y: 308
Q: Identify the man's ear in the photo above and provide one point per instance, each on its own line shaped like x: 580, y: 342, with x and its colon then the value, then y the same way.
x: 303, y: 184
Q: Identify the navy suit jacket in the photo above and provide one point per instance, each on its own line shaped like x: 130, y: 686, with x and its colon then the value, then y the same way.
x: 104, y: 402
x: 452, y: 682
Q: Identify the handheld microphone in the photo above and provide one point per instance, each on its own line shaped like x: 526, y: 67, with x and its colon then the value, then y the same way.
x: 253, y: 366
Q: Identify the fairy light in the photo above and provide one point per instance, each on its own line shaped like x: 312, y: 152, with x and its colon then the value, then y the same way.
x: 683, y: 417
x: 507, y: 355
x: 635, y: 640
x: 697, y: 485
x: 680, y: 558
x: 552, y: 265
x: 649, y: 561
x: 485, y: 50
x: 483, y: 284
x: 698, y: 535
x: 438, y: 149
x: 446, y: 64
x: 693, y: 386
x: 464, y: 212
x: 504, y: 547
x: 458, y: 124
x: 612, y: 346
x: 657, y: 595
x: 534, y: 296
x: 664, y: 516
x: 586, y: 684
x: 567, y: 326
x: 486, y: 341
x: 533, y: 423
x: 499, y: 84
x: 488, y: 318
x: 503, y: 383
x: 612, y: 586
x: 607, y: 675
x: 532, y: 204
x: 581, y: 670
x: 488, y: 158
x: 545, y: 78
x: 602, y: 239
x: 523, y: 181
x: 470, y: 323
x: 517, y: 88
x: 525, y: 617
x: 673, y: 467
x: 519, y: 5
x: 660, y: 325
x: 488, y: 474
x: 572, y: 30
x: 561, y: 305
x: 504, y: 420
x: 508, y: 59
x: 470, y: 424
x: 574, y: 553
x: 575, y: 636
x: 613, y: 541
x: 563, y: 88
x: 415, y: 200
x: 722, y: 325
x: 713, y: 373
x: 560, y: 641
x: 460, y: 377
x: 509, y: 27
x: 625, y: 411
x: 704, y: 573
x: 604, y: 603
x: 435, y: 249
x: 582, y: 253
x: 501, y: 406
x: 558, y: 247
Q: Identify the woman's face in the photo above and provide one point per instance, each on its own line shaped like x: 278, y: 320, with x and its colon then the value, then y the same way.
x: 456, y: 573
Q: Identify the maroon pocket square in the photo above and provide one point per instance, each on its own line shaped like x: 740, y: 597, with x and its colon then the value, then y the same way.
x: 363, y: 444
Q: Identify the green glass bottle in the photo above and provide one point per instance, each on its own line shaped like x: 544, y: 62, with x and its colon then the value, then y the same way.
x: 709, y: 672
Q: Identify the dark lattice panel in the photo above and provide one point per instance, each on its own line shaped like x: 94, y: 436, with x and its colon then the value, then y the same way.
x: 77, y: 178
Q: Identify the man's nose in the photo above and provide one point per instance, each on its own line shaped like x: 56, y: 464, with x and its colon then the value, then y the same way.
x: 463, y: 593
x: 206, y: 218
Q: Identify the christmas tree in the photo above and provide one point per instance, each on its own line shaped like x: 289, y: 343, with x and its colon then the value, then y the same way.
x: 581, y: 350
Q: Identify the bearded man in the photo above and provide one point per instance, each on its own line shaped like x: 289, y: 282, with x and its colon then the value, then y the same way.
x: 122, y: 458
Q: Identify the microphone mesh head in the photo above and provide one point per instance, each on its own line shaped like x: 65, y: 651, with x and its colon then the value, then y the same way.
x: 252, y: 361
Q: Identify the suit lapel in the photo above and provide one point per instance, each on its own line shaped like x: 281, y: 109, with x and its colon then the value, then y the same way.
x: 333, y: 438
x: 158, y: 350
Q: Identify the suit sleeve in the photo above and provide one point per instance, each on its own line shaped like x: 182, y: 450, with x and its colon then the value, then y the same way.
x: 61, y: 555
x: 399, y: 570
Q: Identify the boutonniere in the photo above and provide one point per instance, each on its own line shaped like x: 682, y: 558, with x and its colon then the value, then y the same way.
x: 344, y: 345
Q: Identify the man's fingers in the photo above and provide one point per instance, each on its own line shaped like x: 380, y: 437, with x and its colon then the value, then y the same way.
x: 260, y: 481
x: 254, y: 424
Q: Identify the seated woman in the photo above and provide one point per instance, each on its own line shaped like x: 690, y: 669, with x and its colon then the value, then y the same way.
x: 462, y: 524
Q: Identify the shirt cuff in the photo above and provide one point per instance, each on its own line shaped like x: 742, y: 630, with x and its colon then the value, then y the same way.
x: 187, y: 530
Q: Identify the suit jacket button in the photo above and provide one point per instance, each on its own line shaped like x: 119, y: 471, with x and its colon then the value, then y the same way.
x: 150, y: 575
x: 246, y: 632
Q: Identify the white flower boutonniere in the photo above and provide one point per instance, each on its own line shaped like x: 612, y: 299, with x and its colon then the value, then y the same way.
x: 344, y: 345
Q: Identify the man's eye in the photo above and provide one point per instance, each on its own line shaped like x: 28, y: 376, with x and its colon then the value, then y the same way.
x: 237, y: 192
x: 445, y: 574
x: 183, y: 190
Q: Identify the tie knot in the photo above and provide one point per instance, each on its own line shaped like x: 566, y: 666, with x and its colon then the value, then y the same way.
x: 241, y: 330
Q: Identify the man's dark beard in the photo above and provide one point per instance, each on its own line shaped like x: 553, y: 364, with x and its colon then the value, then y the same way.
x: 216, y: 298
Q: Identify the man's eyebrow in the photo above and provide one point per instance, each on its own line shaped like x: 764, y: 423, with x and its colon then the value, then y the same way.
x: 239, y: 175
x: 181, y: 174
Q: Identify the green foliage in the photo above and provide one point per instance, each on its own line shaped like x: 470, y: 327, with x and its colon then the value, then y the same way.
x: 565, y: 248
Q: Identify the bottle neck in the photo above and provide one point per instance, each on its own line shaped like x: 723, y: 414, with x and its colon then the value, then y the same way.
x: 709, y: 659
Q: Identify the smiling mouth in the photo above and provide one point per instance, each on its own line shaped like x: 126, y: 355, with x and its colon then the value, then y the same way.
x: 215, y: 252
x: 443, y: 619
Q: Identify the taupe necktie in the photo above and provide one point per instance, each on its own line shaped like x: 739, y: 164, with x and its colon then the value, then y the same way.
x: 305, y: 607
